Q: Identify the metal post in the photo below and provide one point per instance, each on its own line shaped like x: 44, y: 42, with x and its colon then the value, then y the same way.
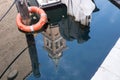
x: 23, y: 10
x: 33, y: 54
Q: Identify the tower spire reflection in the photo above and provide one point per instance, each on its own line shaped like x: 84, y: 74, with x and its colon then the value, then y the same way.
x: 54, y: 43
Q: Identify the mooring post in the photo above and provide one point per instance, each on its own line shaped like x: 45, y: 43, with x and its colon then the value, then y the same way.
x: 33, y: 54
x: 23, y: 10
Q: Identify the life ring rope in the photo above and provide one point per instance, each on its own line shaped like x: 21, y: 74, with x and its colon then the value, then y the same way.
x: 34, y: 27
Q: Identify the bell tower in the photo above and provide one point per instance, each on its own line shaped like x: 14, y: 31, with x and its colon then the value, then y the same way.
x: 54, y: 43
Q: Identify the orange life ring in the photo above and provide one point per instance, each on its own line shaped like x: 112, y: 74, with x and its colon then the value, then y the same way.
x: 34, y: 27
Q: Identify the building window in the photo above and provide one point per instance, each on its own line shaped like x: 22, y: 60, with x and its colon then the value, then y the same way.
x: 47, y: 42
x: 61, y: 42
x: 51, y: 46
x: 56, y: 45
x: 49, y: 34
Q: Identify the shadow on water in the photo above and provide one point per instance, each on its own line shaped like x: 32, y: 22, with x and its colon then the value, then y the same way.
x: 55, y: 45
x: 61, y: 58
x: 60, y: 28
x: 71, y: 30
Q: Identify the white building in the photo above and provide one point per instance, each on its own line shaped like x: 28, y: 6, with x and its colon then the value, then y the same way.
x: 80, y: 9
x: 45, y: 2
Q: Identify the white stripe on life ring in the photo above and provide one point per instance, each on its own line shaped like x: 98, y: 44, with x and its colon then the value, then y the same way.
x: 31, y: 28
x: 29, y: 8
x: 43, y: 14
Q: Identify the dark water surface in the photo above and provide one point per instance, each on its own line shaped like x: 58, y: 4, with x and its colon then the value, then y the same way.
x: 85, y: 49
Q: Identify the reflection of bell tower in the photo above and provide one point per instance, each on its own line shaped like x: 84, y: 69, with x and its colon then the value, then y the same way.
x: 54, y: 43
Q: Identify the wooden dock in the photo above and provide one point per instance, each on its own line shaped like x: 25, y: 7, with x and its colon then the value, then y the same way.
x: 110, y: 68
x: 12, y: 43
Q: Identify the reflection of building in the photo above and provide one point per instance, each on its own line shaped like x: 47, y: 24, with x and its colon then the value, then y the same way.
x: 43, y: 3
x: 71, y: 30
x: 82, y: 13
x: 54, y: 43
x: 96, y: 8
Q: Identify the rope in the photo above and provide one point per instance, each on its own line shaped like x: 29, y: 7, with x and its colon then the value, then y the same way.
x: 8, y: 10
x: 12, y: 62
